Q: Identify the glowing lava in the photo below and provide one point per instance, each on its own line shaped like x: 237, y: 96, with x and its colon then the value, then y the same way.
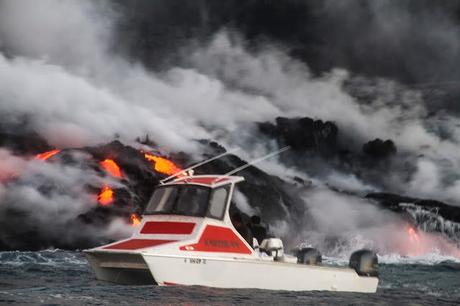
x: 413, y: 236
x: 105, y: 197
x: 415, y: 245
x: 111, y: 167
x: 135, y: 220
x: 163, y: 165
x: 47, y: 155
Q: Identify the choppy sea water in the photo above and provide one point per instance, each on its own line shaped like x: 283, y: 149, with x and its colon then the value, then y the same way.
x: 57, y: 277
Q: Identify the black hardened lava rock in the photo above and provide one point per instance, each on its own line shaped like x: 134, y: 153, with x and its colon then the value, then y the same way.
x: 378, y: 148
x: 396, y: 203
x: 303, y: 133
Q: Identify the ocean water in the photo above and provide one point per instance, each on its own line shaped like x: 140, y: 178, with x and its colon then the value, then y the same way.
x: 57, y: 277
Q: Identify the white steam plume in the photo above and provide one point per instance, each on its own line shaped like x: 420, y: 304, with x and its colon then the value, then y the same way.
x: 49, y: 198
x: 340, y: 224
x: 57, y: 69
x: 395, y: 113
x: 77, y: 92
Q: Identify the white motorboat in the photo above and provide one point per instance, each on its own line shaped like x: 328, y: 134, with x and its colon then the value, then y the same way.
x: 187, y: 237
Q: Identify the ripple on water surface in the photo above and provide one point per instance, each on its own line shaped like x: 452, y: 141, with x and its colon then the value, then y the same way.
x: 64, y: 278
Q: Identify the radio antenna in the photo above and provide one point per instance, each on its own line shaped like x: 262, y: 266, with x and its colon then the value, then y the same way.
x: 253, y: 162
x: 198, y: 165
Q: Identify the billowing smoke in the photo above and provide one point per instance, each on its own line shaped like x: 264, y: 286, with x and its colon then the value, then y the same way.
x: 63, y: 75
x: 396, y: 112
x: 340, y: 224
x: 69, y: 85
x: 378, y: 38
x: 49, y: 199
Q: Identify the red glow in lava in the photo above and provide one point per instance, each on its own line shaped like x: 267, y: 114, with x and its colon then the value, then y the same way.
x: 415, y: 244
x: 163, y: 165
x: 135, y: 220
x: 105, y: 197
x: 413, y: 236
x: 419, y: 243
x: 47, y: 155
x: 111, y: 167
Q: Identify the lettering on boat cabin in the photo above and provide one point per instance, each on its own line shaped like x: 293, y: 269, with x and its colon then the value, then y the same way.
x: 222, y: 243
x: 218, y: 239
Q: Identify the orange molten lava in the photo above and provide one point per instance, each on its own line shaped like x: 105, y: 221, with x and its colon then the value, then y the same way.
x: 111, y: 167
x: 135, y: 220
x: 162, y: 164
x: 105, y: 197
x: 415, y: 245
x: 47, y: 155
x: 413, y: 236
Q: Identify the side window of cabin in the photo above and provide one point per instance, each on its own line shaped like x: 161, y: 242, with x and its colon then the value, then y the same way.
x: 155, y: 200
x: 168, y: 199
x: 162, y: 200
x: 217, y: 203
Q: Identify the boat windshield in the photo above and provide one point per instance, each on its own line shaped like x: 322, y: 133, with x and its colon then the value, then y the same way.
x: 188, y: 200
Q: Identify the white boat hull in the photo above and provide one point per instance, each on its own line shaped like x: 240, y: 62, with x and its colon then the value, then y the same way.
x: 260, y: 274
x: 207, y: 250
x: 127, y: 269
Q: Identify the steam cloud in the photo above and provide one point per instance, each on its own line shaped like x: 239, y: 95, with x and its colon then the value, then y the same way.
x: 57, y: 70
x: 53, y: 195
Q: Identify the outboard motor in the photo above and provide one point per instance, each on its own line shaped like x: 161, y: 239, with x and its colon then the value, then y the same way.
x: 365, y: 263
x: 273, y: 247
x: 309, y: 256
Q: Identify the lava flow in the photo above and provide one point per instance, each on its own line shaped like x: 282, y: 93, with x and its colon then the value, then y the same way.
x: 163, y: 165
x: 415, y: 245
x: 135, y: 220
x: 105, y: 197
x: 413, y: 236
x: 111, y: 167
x: 47, y: 155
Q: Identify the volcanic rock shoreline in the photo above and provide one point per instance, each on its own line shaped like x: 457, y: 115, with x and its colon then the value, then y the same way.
x: 275, y: 199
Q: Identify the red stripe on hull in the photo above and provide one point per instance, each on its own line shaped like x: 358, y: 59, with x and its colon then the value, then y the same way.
x: 135, y: 244
x: 218, y: 239
x: 208, y: 180
x: 184, y: 228
x: 170, y: 284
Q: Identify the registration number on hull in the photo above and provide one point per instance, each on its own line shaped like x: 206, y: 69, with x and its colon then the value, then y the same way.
x: 197, y: 261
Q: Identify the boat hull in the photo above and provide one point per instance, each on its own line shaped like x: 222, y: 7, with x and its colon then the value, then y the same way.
x: 259, y: 274
x: 120, y: 268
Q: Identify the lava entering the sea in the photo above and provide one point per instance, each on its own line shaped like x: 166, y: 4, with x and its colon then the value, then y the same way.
x: 413, y: 236
x: 163, y: 165
x: 415, y: 245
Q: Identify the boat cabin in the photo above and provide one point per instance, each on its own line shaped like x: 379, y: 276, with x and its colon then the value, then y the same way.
x: 189, y: 214
x: 186, y: 237
x: 199, y: 196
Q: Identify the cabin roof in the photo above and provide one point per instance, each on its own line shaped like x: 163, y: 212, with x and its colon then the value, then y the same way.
x: 212, y: 181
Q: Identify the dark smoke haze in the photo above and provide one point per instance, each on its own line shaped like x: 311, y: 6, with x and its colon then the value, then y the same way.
x: 83, y: 73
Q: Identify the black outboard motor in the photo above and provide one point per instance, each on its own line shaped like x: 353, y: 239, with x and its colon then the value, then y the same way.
x: 309, y: 256
x: 365, y: 263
